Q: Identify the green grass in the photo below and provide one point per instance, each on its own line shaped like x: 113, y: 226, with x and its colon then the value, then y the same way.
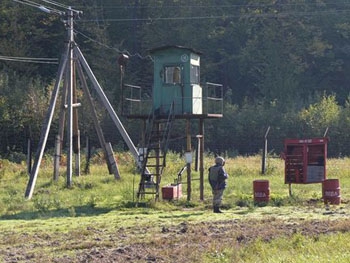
x: 298, y: 248
x: 97, y: 216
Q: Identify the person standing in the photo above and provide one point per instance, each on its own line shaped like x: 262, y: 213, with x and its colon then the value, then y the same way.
x: 217, y: 180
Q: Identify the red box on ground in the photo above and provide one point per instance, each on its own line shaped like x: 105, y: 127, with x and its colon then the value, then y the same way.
x: 170, y: 192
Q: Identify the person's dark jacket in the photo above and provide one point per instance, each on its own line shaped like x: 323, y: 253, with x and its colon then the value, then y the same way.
x: 217, y: 177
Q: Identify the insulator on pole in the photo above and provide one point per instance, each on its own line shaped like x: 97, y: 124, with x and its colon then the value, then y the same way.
x: 44, y: 9
x: 123, y: 60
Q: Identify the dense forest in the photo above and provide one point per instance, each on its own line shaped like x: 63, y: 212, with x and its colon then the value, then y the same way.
x: 284, y: 64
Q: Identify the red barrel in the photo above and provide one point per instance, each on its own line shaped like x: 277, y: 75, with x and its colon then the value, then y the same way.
x: 261, y: 190
x: 331, y: 191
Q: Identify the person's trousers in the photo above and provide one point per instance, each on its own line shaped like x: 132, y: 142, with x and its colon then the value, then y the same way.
x: 217, y: 197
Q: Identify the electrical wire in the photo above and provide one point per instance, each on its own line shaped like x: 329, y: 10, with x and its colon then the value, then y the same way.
x: 30, y: 60
x: 266, y: 15
x: 281, y: 14
x: 29, y: 3
x: 113, y: 48
x: 39, y: 6
x: 218, y: 6
x: 247, y: 15
x: 55, y: 3
x: 51, y: 2
x: 338, y: 8
x: 48, y: 10
x: 43, y: 8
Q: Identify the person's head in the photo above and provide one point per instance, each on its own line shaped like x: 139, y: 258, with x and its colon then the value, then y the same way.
x: 219, y: 160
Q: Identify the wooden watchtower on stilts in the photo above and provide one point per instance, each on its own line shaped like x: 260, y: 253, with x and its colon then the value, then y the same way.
x: 176, y: 94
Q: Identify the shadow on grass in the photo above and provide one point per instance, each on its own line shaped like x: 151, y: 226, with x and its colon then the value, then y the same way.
x: 78, y: 211
x: 185, y: 215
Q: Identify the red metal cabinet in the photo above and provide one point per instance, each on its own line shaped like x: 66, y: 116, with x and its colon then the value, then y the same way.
x: 305, y: 160
x: 170, y: 192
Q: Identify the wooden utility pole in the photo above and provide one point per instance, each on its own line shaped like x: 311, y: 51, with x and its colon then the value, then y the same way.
x: 46, y: 127
x: 72, y: 57
x: 70, y: 99
x: 97, y: 126
x: 61, y: 125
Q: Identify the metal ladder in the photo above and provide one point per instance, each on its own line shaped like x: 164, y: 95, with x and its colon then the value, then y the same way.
x: 154, y: 157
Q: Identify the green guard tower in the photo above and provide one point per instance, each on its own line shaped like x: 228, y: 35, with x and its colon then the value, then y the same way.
x: 176, y: 94
x: 177, y: 81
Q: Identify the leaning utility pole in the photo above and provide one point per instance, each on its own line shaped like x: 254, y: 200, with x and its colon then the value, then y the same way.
x: 73, y: 58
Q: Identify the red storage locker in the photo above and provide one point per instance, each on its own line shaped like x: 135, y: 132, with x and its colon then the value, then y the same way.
x: 305, y: 160
x: 170, y: 192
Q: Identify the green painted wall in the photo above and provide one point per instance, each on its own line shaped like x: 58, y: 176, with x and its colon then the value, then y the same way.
x: 169, y: 87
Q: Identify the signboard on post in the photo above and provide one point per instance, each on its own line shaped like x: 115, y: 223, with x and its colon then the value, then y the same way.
x: 305, y: 160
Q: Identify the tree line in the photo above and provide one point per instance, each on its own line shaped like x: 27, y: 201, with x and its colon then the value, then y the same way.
x: 283, y: 64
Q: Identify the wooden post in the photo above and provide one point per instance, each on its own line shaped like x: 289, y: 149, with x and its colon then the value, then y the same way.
x: 46, y: 127
x: 263, y: 165
x: 290, y: 190
x: 76, y: 131
x: 196, y: 163
x: 97, y: 126
x: 107, y: 104
x: 77, y: 154
x: 201, y: 159
x: 29, y: 156
x: 325, y: 132
x: 57, y: 158
x: 61, y: 125
x: 88, y: 156
x: 158, y: 164
x: 112, y: 161
x: 70, y: 100
x: 188, y: 150
x: 142, y: 148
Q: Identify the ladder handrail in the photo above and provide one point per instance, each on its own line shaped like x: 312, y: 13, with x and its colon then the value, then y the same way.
x: 166, y: 136
x: 162, y: 137
x: 150, y: 121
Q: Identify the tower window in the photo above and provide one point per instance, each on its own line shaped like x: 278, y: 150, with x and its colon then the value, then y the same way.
x: 172, y: 75
x: 194, y: 77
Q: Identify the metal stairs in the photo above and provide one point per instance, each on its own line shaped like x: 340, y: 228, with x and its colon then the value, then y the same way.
x: 154, y: 156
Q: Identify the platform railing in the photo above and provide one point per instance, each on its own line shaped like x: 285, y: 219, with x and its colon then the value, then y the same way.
x: 135, y: 105
x: 213, y: 102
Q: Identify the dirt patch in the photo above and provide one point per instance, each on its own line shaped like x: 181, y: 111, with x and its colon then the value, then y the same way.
x: 236, y: 233
x: 182, y: 242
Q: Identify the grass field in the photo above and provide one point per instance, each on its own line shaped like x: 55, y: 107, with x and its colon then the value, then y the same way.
x: 96, y: 219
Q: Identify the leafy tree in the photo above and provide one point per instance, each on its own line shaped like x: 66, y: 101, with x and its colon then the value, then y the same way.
x: 277, y: 61
x: 320, y: 115
x: 26, y: 32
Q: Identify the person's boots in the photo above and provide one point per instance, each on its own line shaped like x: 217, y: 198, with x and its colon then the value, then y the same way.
x: 217, y: 210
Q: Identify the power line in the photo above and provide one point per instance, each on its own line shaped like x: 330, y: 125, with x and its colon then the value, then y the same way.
x: 218, y: 6
x: 49, y: 10
x: 113, y: 48
x: 210, y: 17
x: 246, y: 15
x: 39, y: 6
x: 30, y: 60
x: 55, y: 3
x: 29, y: 3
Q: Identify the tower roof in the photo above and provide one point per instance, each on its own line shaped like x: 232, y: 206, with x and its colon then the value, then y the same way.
x: 154, y: 50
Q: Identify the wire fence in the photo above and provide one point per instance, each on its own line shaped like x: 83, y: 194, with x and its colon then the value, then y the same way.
x: 15, y: 141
